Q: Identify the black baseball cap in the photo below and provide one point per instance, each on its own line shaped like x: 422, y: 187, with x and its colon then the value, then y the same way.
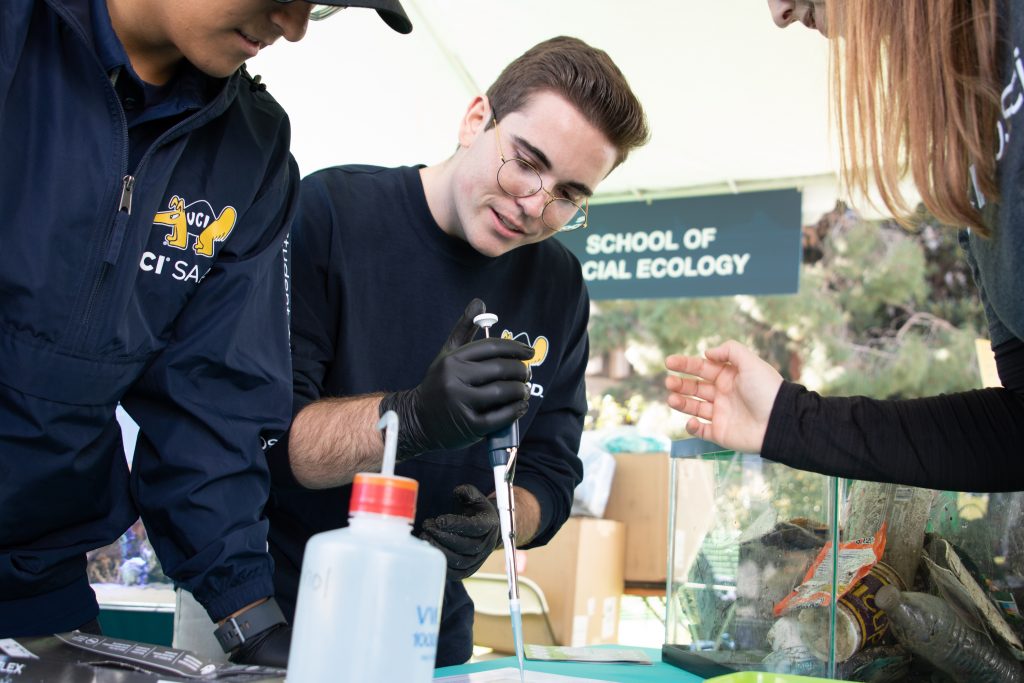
x: 389, y: 10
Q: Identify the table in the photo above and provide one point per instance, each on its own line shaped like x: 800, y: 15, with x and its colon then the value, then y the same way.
x: 59, y: 664
x: 622, y: 673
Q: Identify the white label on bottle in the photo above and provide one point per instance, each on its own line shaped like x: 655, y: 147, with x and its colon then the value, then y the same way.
x: 426, y: 617
x: 319, y: 583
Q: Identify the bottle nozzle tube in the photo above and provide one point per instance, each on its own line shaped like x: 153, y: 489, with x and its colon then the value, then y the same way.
x: 389, y: 422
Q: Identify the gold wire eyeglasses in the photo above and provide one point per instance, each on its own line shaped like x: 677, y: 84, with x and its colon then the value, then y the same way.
x: 319, y: 12
x: 519, y: 178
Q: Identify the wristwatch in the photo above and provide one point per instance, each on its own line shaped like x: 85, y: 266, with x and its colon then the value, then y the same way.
x: 236, y: 630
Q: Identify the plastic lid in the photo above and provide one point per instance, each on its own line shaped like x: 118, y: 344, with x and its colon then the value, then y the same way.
x: 485, y: 320
x: 384, y: 495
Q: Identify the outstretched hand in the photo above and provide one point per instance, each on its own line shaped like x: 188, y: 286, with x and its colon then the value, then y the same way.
x: 730, y: 395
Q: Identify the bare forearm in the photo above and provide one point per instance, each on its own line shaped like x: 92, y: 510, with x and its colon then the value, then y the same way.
x: 527, y: 516
x: 333, y: 439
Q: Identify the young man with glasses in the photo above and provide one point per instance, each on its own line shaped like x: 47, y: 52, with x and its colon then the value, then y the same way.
x: 385, y: 258
x: 147, y: 191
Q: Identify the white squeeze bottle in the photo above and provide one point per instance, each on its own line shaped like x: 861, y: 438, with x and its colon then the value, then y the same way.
x: 369, y: 602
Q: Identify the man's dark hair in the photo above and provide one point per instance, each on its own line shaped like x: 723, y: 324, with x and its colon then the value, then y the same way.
x: 583, y: 75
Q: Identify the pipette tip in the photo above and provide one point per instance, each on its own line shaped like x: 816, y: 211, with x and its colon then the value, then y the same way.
x: 516, y: 612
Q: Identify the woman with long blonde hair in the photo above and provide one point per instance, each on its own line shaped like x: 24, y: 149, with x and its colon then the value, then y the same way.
x: 933, y: 89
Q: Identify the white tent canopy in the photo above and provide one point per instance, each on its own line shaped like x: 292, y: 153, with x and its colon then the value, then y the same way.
x: 733, y: 102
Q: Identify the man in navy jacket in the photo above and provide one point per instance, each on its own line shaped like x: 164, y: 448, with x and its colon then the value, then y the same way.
x: 146, y: 191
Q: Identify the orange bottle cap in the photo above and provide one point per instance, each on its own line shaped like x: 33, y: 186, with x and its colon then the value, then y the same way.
x: 384, y: 495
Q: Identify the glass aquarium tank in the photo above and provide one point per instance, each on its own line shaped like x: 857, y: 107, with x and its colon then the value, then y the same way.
x: 136, y: 598
x: 780, y: 570
x: 127, y: 562
x: 126, y: 569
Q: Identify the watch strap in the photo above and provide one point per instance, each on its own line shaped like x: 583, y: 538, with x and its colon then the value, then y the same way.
x: 240, y: 628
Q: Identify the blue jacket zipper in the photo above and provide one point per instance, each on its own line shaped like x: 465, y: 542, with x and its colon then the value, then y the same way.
x: 119, y: 229
x: 116, y: 239
x: 124, y: 212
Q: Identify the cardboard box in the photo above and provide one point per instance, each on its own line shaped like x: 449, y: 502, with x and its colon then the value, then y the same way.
x: 639, y: 499
x: 580, y: 572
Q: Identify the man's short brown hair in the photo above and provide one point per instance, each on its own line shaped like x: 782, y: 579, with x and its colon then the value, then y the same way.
x: 583, y: 75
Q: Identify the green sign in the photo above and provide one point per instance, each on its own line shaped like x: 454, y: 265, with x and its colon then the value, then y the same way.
x: 698, y: 246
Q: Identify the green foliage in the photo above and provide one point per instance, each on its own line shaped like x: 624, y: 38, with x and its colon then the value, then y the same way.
x: 913, y: 365
x: 747, y: 487
x: 875, y: 272
x: 882, y: 311
x: 612, y: 413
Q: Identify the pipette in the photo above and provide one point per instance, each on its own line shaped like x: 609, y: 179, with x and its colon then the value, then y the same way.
x: 502, y: 448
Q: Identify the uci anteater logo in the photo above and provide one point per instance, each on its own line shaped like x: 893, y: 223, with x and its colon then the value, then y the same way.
x: 540, y: 352
x: 199, y: 219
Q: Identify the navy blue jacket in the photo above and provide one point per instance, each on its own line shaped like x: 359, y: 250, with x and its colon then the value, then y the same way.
x: 164, y: 290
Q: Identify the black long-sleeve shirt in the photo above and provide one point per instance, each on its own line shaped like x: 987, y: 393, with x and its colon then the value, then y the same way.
x: 376, y: 288
x: 969, y: 441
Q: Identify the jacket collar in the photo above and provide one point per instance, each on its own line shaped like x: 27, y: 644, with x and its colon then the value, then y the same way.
x: 110, y: 51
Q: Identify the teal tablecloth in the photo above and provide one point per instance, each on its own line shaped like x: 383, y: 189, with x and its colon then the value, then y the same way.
x: 622, y: 673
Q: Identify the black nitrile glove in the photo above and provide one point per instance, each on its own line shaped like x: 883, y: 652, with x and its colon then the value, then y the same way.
x: 471, y: 389
x: 266, y: 648
x: 468, y: 536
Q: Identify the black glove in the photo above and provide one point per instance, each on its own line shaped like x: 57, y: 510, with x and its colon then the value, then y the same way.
x: 266, y: 648
x: 468, y: 536
x: 471, y: 389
